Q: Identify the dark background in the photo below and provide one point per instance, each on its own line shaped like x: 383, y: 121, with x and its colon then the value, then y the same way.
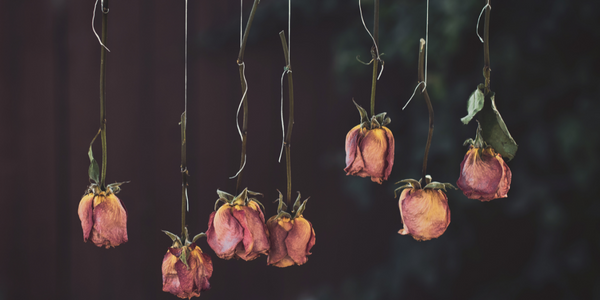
x: 541, y: 241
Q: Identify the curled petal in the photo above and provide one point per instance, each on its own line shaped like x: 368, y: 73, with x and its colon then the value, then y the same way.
x: 370, y: 153
x: 278, y: 229
x: 484, y: 175
x: 298, y: 239
x: 182, y: 281
x: 255, y: 240
x: 85, y: 215
x: 110, y: 221
x: 224, y: 232
x: 425, y: 213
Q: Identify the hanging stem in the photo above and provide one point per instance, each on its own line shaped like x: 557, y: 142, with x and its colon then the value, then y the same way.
x: 374, y: 55
x: 486, y: 48
x: 184, y: 171
x: 183, y: 124
x: 421, y: 78
x: 240, y: 62
x: 288, y: 135
x: 103, y: 92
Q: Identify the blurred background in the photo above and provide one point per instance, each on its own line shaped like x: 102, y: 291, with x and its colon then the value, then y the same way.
x: 541, y: 241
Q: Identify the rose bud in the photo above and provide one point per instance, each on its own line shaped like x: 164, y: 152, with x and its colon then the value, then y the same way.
x: 370, y: 148
x: 185, y: 269
x: 237, y: 228
x: 483, y: 173
x: 103, y: 216
x: 291, y: 238
x: 424, y: 211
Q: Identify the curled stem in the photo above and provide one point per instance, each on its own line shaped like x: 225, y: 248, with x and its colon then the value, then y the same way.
x: 288, y: 135
x: 240, y: 61
x: 486, y: 48
x: 421, y: 78
x: 103, y: 92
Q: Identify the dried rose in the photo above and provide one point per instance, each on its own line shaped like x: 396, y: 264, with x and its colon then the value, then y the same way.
x: 424, y: 211
x: 291, y: 238
x: 103, y: 216
x: 484, y: 175
x: 370, y: 148
x: 237, y: 228
x: 185, y: 269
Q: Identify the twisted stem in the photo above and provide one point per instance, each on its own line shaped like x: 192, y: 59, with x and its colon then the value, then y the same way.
x: 288, y: 135
x: 421, y: 78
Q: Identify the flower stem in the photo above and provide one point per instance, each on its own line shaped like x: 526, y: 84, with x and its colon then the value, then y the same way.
x: 421, y: 78
x: 486, y: 48
x: 240, y: 61
x: 183, y: 124
x: 288, y: 135
x: 374, y: 55
x: 103, y: 92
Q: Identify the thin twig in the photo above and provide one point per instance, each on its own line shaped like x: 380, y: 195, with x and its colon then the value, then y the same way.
x: 421, y: 77
x: 103, y: 92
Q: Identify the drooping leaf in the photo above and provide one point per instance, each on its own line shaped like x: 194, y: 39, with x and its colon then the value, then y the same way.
x: 173, y: 236
x: 94, y: 169
x: 199, y: 235
x: 225, y: 195
x: 375, y: 123
x: 297, y: 203
x: 494, y: 131
x: 439, y: 186
x: 474, y: 105
x: 183, y: 257
x: 386, y: 121
x: 301, y: 209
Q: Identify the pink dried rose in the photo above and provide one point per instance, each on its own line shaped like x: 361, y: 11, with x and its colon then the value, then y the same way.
x: 484, y: 175
x: 237, y: 229
x: 186, y: 270
x: 291, y: 237
x: 370, y: 148
x: 103, y: 216
x: 424, y: 211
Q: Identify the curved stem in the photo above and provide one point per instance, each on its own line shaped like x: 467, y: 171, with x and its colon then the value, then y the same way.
x: 421, y: 78
x: 374, y: 56
x: 486, y: 48
x: 288, y: 135
x: 240, y: 61
x: 103, y: 92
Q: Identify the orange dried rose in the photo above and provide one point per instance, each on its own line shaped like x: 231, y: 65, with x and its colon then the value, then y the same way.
x: 484, y: 175
x: 103, y: 217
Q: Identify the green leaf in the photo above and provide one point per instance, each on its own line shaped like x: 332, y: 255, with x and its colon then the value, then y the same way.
x: 225, y: 195
x: 406, y: 186
x: 474, y: 105
x: 364, y: 117
x: 183, y: 256
x: 386, y: 121
x: 297, y: 203
x: 94, y: 169
x: 375, y: 123
x: 494, y: 131
x: 282, y: 206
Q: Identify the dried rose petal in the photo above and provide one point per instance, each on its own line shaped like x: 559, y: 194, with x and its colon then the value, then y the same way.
x: 238, y: 231
x: 425, y: 213
x: 484, y: 175
x: 182, y: 281
x: 104, y: 218
x: 370, y: 153
x: 291, y: 241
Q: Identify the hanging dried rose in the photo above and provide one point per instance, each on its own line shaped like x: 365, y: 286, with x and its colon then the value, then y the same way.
x: 370, y: 148
x: 237, y: 228
x: 291, y: 237
x: 424, y: 211
x: 484, y: 175
x: 103, y: 216
x: 185, y: 268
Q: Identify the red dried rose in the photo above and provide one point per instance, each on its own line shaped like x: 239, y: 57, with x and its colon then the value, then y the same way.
x: 291, y: 238
x: 424, y: 211
x: 186, y: 280
x: 237, y: 228
x: 484, y: 175
x: 103, y: 217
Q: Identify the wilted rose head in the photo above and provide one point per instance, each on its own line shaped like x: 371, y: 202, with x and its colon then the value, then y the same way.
x: 103, y: 217
x: 424, y: 211
x: 370, y: 148
x: 291, y: 237
x: 237, y: 228
x: 186, y: 271
x: 484, y: 175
